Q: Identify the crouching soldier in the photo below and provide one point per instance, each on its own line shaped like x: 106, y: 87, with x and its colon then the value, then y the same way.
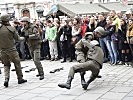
x: 91, y: 56
x: 81, y: 51
x: 8, y: 36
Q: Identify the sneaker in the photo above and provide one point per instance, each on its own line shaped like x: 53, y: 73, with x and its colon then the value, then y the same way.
x: 55, y: 59
x: 21, y: 81
x: 52, y: 59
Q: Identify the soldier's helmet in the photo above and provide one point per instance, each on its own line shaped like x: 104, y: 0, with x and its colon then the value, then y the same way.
x: 5, y: 18
x: 94, y: 42
x: 88, y: 34
x: 100, y: 30
x: 25, y: 19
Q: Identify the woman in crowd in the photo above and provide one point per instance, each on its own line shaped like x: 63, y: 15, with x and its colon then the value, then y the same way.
x: 84, y: 25
x: 92, y: 24
x: 65, y: 40
x: 109, y: 30
x: 130, y: 36
x: 102, y: 40
x: 58, y: 25
x: 76, y: 35
x: 123, y: 45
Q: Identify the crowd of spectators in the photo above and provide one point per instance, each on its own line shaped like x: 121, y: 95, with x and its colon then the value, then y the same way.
x: 59, y: 36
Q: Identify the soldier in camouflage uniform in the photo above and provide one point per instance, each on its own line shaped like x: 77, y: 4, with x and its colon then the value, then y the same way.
x: 91, y: 58
x: 0, y: 60
x: 8, y: 36
x: 33, y: 40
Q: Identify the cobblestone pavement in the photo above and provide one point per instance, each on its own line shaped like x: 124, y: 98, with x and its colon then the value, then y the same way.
x: 116, y: 84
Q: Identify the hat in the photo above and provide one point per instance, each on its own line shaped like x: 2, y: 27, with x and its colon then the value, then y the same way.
x: 128, y: 12
x: 25, y: 19
x: 88, y: 33
x: 100, y: 30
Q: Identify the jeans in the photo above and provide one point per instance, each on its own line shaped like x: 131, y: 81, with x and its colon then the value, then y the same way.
x: 108, y: 44
x: 114, y: 46
x: 103, y: 45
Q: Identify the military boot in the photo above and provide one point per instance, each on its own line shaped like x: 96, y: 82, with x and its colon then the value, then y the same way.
x: 89, y: 81
x: 83, y: 82
x: 41, y: 77
x: 22, y: 81
x: 6, y: 82
x: 66, y: 85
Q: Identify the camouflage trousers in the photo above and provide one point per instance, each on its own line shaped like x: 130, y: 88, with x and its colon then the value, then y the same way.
x: 11, y: 56
x: 90, y: 65
x: 35, y: 54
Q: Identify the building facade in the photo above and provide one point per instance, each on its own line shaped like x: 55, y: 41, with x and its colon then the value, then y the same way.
x: 35, y: 10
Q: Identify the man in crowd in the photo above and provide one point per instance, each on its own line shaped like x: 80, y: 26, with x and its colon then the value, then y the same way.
x: 8, y: 35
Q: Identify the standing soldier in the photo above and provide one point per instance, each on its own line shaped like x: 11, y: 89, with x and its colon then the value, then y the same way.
x: 33, y: 40
x: 8, y: 35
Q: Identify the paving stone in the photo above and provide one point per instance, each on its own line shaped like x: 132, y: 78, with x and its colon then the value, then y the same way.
x: 50, y: 85
x: 39, y: 98
x: 5, y: 97
x: 39, y: 90
x: 50, y: 94
x: 121, y: 89
x: 15, y: 92
x: 130, y: 94
x: 64, y: 97
x: 113, y: 95
x: 128, y: 98
x: 74, y: 91
x: 24, y: 96
x: 99, y: 89
x: 89, y: 96
x: 30, y: 86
